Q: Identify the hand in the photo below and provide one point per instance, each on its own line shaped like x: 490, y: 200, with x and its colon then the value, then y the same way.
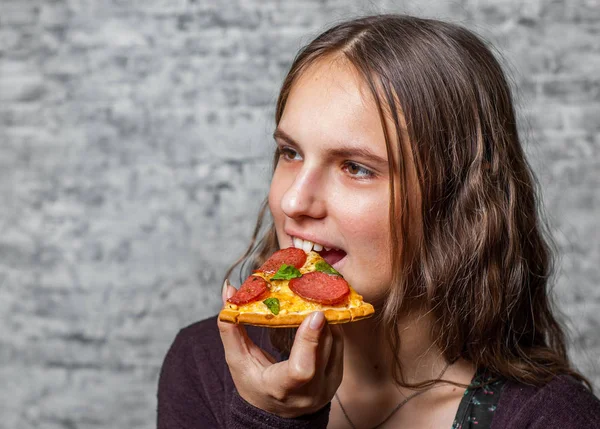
x: 303, y: 384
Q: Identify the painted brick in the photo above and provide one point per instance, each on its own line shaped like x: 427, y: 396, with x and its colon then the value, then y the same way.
x: 19, y: 13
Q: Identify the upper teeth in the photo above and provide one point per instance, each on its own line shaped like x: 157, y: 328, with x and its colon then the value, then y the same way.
x: 307, y: 245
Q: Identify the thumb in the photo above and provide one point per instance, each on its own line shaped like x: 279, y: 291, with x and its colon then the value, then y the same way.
x: 303, y: 356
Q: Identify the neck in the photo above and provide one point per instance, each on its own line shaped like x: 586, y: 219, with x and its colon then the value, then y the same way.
x: 368, y: 360
x: 369, y: 391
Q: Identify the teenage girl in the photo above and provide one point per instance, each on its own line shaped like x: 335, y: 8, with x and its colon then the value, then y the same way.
x: 397, y: 147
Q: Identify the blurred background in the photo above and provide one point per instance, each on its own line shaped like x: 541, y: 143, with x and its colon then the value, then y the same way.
x: 134, y: 151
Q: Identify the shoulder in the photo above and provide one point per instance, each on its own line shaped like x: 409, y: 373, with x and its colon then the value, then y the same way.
x: 194, y: 380
x: 561, y: 403
x: 194, y: 352
x: 198, y: 349
x: 201, y: 343
x: 192, y: 344
x: 203, y: 336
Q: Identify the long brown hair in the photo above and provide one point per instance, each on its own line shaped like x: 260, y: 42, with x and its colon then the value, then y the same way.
x: 481, y: 263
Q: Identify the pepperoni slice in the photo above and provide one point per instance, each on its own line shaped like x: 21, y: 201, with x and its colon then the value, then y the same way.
x: 251, y: 290
x: 289, y: 256
x: 320, y: 287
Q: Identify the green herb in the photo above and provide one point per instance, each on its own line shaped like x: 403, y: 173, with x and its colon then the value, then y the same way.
x: 324, y: 267
x: 273, y: 304
x: 286, y: 272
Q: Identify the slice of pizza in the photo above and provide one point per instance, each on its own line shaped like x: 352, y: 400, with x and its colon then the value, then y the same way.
x: 289, y: 286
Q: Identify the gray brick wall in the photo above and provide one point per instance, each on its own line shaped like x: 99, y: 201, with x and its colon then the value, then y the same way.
x: 133, y: 137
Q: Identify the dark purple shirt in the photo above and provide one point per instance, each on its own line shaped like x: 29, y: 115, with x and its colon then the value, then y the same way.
x: 195, y: 390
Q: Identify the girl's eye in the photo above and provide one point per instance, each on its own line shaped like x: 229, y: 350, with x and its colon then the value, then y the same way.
x: 289, y: 154
x: 358, y: 171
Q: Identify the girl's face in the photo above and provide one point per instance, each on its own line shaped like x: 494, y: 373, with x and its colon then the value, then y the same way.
x: 331, y: 185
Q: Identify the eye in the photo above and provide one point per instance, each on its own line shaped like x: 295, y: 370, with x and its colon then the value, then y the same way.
x: 357, y: 170
x: 289, y: 154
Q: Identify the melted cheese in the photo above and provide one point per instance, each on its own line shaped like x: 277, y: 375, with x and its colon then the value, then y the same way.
x: 289, y: 302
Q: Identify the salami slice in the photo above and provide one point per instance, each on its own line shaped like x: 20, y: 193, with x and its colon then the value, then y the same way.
x: 320, y: 287
x: 251, y: 290
x: 289, y: 256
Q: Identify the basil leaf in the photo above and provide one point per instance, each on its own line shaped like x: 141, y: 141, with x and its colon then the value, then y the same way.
x: 273, y: 304
x: 286, y: 272
x: 324, y: 267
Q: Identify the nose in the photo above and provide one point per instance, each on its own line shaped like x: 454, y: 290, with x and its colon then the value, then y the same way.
x: 305, y: 195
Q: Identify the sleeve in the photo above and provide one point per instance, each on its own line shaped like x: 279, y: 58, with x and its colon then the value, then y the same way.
x: 181, y: 402
x: 195, y: 390
x: 247, y: 416
x: 568, y: 404
x: 562, y: 403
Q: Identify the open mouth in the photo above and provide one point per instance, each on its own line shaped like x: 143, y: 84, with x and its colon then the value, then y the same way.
x: 330, y: 254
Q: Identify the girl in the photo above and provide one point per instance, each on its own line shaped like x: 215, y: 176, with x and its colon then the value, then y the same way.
x: 397, y: 148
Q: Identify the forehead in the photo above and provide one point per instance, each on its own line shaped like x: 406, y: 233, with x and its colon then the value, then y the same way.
x: 330, y: 103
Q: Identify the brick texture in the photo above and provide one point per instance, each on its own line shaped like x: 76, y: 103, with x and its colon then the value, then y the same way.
x: 134, y: 148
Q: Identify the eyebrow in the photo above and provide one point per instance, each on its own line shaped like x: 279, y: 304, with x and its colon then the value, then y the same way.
x: 340, y: 152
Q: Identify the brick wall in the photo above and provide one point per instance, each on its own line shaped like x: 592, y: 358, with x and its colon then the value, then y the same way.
x: 133, y: 137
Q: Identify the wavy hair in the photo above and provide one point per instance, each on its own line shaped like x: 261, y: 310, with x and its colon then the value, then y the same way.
x: 481, y: 262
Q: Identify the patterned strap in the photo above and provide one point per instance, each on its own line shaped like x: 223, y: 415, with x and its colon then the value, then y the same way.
x: 476, y: 409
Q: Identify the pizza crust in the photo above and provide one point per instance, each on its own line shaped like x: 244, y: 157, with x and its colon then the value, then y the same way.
x: 293, y: 320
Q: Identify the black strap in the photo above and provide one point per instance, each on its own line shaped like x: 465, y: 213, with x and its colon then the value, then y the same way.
x: 477, y: 407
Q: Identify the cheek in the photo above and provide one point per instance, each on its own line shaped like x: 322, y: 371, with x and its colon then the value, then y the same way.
x: 367, y: 221
x: 275, y: 209
x: 276, y: 192
x: 273, y: 200
x: 368, y: 232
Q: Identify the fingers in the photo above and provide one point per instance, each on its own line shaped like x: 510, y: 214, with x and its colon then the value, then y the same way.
x: 303, y: 356
x: 227, y: 291
x: 240, y: 350
x: 263, y: 357
x: 235, y: 339
x: 233, y: 336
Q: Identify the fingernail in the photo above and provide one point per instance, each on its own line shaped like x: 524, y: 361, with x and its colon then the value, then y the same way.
x: 230, y: 290
x: 316, y: 321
